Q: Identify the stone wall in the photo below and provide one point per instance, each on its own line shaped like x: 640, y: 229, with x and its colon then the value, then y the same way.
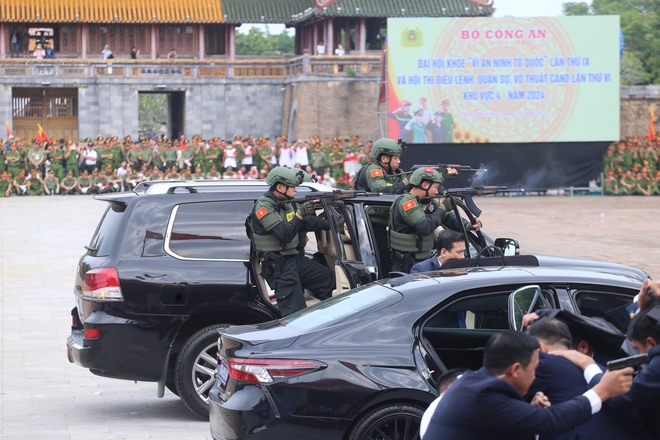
x: 298, y: 106
x: 635, y: 102
x: 330, y: 107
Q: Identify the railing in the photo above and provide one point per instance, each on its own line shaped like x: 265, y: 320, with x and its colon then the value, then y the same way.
x: 212, y: 68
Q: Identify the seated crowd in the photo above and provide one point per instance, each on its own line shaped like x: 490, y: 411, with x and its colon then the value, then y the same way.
x: 107, y: 165
x: 632, y: 167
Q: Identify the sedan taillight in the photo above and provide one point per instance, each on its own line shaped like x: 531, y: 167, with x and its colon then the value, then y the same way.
x: 102, y: 284
x: 267, y: 371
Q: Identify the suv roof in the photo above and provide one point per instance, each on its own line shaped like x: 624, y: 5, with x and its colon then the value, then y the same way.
x: 192, y: 186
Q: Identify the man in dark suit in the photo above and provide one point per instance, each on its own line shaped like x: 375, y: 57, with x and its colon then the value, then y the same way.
x: 644, y: 395
x: 560, y: 380
x: 450, y: 245
x: 488, y: 403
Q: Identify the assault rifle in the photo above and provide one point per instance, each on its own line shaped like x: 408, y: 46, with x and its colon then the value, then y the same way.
x: 442, y: 167
x: 337, y: 194
x: 467, y: 193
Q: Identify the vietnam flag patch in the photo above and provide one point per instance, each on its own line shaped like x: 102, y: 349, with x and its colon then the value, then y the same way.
x: 261, y: 213
x: 429, y: 170
x: 377, y: 173
x: 410, y: 204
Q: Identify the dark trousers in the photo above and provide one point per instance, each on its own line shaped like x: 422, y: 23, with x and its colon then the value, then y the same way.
x: 385, y: 253
x: 403, y: 262
x: 298, y: 273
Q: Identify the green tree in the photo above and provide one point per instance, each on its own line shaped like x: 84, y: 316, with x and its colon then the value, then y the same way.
x: 257, y: 42
x: 640, y: 23
x: 152, y: 112
x: 576, y: 8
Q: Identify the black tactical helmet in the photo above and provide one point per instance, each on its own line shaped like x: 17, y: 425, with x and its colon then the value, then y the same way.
x: 425, y: 173
x: 386, y: 146
x: 286, y: 176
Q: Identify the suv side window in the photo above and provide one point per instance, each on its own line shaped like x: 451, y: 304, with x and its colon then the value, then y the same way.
x: 209, y: 231
x: 107, y: 231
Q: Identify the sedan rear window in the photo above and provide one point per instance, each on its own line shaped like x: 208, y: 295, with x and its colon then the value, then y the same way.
x: 341, y: 307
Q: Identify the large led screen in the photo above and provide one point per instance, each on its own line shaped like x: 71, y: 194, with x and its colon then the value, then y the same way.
x: 501, y: 80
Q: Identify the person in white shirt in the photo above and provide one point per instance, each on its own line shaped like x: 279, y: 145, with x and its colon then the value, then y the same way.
x: 340, y: 50
x: 444, y: 382
x: 320, y: 48
x: 89, y: 158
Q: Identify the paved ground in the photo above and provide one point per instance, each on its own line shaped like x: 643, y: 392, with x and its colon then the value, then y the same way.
x: 41, y: 239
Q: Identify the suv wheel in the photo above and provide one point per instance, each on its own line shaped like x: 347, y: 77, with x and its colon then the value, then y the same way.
x: 195, y: 370
x: 399, y: 420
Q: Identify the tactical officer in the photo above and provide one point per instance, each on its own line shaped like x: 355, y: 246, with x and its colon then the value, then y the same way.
x: 381, y: 176
x: 274, y: 230
x: 415, y: 215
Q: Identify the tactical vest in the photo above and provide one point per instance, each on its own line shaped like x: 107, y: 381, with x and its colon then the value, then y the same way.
x: 270, y: 242
x: 409, y: 242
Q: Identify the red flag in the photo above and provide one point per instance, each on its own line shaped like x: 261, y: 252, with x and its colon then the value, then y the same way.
x: 8, y: 128
x: 651, y: 124
x: 41, y: 135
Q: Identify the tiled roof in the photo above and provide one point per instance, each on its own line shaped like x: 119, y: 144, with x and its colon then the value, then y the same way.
x: 272, y: 11
x: 295, y: 11
x: 111, y: 11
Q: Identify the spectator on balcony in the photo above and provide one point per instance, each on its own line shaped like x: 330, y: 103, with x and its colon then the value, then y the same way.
x: 320, y: 48
x: 25, y: 42
x: 15, y: 43
x: 172, y: 55
x: 339, y: 51
x: 134, y: 53
x: 39, y: 52
x: 49, y: 52
x: 107, y: 53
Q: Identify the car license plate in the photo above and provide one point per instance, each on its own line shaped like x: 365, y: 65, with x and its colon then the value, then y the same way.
x: 223, y: 372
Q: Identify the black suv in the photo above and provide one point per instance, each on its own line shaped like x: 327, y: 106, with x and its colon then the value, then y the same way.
x: 170, y: 263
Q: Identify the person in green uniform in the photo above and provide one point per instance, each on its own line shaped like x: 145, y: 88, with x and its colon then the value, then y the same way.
x: 645, y: 183
x: 19, y: 185
x: 57, y: 159
x: 447, y: 121
x: 35, y: 184
x: 319, y: 161
x: 36, y: 158
x: 198, y: 175
x: 213, y: 173
x: 337, y: 162
x: 155, y: 174
x: 198, y: 157
x: 105, y: 155
x: 627, y: 182
x: 70, y: 185
x: 5, y: 184
x: 146, y: 154
x: 132, y: 155
x: 265, y: 153
x: 169, y: 156
x: 611, y: 186
x: 187, y: 156
x: 274, y: 230
x: 211, y: 157
x: 71, y: 154
x: 14, y: 160
x: 52, y: 183
x: 85, y: 183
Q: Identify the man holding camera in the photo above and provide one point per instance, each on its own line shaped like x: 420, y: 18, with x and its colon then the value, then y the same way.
x: 273, y: 226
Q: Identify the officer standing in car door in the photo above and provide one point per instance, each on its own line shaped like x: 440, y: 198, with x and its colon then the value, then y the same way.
x: 274, y: 230
x: 413, y: 218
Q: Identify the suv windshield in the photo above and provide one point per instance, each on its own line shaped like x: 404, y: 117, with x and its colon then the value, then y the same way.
x: 341, y: 307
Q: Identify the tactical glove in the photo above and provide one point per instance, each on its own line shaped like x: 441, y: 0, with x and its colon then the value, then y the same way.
x: 306, y: 208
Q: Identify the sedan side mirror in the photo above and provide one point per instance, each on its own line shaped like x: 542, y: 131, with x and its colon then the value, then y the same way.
x: 522, y: 302
x: 508, y: 246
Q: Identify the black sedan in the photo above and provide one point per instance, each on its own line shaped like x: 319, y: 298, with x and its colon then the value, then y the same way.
x: 364, y: 365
